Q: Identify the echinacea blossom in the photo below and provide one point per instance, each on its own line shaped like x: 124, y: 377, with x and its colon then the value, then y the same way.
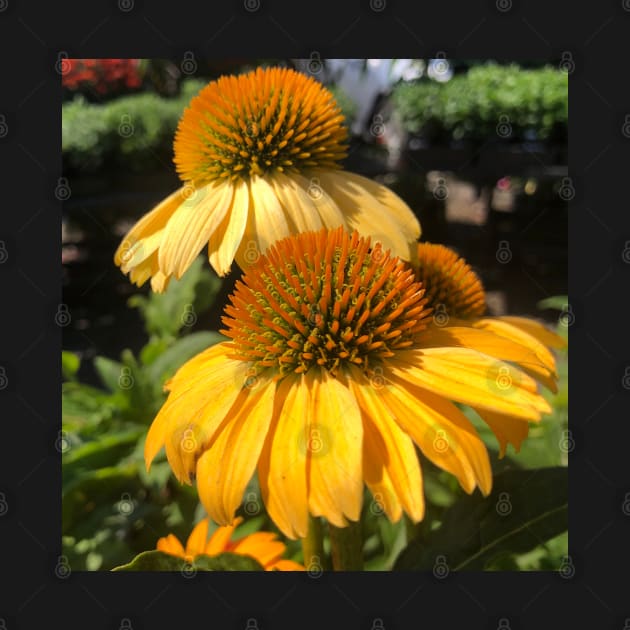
x: 262, y: 546
x: 259, y: 155
x: 332, y: 376
x: 458, y: 299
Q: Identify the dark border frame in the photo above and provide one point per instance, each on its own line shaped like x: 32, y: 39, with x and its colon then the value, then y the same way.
x: 31, y: 40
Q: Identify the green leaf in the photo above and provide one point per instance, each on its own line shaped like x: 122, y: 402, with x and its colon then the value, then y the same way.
x: 107, y: 450
x: 525, y: 509
x: 160, y: 561
x: 109, y: 372
x: 70, y: 363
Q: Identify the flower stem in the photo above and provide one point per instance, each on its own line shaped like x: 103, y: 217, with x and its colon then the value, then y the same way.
x: 346, y: 546
x: 313, y: 544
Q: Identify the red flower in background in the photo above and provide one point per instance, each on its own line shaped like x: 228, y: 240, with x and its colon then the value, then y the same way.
x: 102, y: 76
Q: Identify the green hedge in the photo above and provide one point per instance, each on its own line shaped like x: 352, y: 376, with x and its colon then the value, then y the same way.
x: 470, y: 106
x: 133, y: 133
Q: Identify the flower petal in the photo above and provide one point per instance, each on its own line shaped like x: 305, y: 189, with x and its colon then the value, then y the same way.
x: 149, y: 224
x: 196, y: 542
x: 266, y: 222
x: 333, y: 445
x: 495, y: 345
x: 219, y: 541
x: 536, y: 330
x: 365, y: 213
x: 224, y: 470
x: 191, y: 226
x: 170, y: 544
x: 226, y: 238
x: 282, y: 464
x: 472, y: 378
x: 389, y: 445
x: 261, y: 546
x: 297, y: 204
x: 442, y: 432
x: 507, y: 429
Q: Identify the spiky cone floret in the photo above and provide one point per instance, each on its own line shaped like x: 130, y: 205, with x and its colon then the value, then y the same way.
x: 331, y: 378
x: 258, y: 155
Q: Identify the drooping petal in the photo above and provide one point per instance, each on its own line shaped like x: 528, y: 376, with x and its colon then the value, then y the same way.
x: 390, y: 446
x: 226, y: 467
x: 507, y: 429
x: 296, y: 203
x: 191, y: 226
x: 226, y: 238
x: 536, y: 330
x: 472, y: 378
x: 261, y: 546
x: 493, y: 344
x: 442, y: 432
x: 334, y: 439
x: 202, y: 392
x: 282, y: 464
x: 327, y: 208
x: 365, y: 213
x: 149, y: 224
x: 266, y: 222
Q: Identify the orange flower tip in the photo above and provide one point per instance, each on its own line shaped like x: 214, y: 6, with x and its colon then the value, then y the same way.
x: 329, y: 332
x: 452, y: 287
x: 266, y: 120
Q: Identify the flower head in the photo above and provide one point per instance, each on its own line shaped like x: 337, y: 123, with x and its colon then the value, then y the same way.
x: 457, y: 296
x: 259, y: 157
x: 261, y: 546
x: 332, y: 374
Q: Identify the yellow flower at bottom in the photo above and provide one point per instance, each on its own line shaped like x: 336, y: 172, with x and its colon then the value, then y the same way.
x: 332, y: 376
x: 458, y: 299
x: 261, y: 546
x: 259, y: 157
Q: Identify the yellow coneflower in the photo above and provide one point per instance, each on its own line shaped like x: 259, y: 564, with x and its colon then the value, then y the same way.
x: 261, y: 546
x: 458, y: 299
x: 259, y: 157
x: 331, y: 375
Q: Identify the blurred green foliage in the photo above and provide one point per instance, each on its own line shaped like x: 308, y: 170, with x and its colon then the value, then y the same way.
x: 128, y: 133
x: 471, y: 105
x: 112, y: 508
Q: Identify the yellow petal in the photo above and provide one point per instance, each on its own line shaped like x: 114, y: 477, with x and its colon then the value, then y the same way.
x: 325, y: 205
x: 224, y: 470
x: 150, y: 223
x: 141, y: 250
x: 282, y: 465
x: 398, y: 209
x: 266, y: 223
x: 390, y: 446
x: 442, y: 432
x: 170, y: 544
x: 472, y: 378
x: 333, y: 445
x: 196, y: 542
x: 507, y: 429
x: 261, y: 546
x: 191, y: 226
x: 366, y: 214
x: 159, y: 282
x: 537, y: 330
x: 220, y: 538
x: 202, y: 392
x: 296, y: 203
x: 226, y: 238
x: 495, y: 345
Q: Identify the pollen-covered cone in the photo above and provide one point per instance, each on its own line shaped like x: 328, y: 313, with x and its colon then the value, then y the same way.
x: 262, y: 546
x: 259, y: 156
x: 458, y: 300
x: 330, y: 380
